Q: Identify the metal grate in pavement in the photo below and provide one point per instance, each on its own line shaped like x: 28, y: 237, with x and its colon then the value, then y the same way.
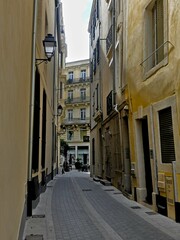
x: 151, y: 213
x: 87, y: 190
x: 109, y: 190
x: 34, y: 237
x: 50, y: 186
x: 38, y: 216
x: 136, y: 207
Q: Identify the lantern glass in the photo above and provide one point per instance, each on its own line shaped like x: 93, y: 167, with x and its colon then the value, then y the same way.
x: 49, y: 44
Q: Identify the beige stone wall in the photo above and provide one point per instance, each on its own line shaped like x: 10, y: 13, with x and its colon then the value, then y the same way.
x: 15, y: 47
x: 16, y: 22
x: 45, y: 25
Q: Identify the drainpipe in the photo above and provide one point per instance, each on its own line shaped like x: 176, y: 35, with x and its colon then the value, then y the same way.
x: 54, y: 139
x: 58, y: 25
x: 31, y: 113
x: 114, y: 50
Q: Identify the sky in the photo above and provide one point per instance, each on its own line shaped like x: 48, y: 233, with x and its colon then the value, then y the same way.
x: 76, y: 18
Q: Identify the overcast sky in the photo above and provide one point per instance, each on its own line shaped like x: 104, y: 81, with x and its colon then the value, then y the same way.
x: 76, y: 17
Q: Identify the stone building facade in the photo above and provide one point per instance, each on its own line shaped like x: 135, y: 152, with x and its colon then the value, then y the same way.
x: 75, y: 120
x: 135, y: 100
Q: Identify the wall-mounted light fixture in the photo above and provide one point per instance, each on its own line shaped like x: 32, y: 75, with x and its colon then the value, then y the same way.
x: 49, y: 45
x: 62, y: 130
x: 59, y: 110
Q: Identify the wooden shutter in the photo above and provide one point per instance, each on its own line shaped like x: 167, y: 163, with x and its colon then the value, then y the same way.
x: 166, y: 135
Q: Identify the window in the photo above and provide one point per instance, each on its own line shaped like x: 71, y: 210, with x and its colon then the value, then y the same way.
x: 70, y: 95
x: 83, y: 113
x: 93, y: 105
x: 109, y: 39
x: 71, y: 75
x: 61, y: 90
x: 91, y: 70
x: 70, y: 135
x: 166, y: 135
x: 70, y: 115
x: 97, y: 9
x: 97, y: 97
x: 83, y: 93
x: 93, y: 151
x: 83, y: 132
x: 94, y: 24
x: 94, y: 61
x: 83, y: 74
x: 155, y: 33
x: 98, y: 51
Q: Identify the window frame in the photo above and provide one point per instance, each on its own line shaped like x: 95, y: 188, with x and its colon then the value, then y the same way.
x: 83, y: 113
x: 83, y: 93
x: 166, y: 133
x: 83, y: 132
x: 83, y: 74
x: 168, y: 102
x: 149, y: 70
x: 70, y: 94
x: 70, y: 114
x: 71, y: 75
x: 70, y: 136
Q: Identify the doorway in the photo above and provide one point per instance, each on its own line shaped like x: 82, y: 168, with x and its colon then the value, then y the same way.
x: 147, y: 163
x: 126, y: 156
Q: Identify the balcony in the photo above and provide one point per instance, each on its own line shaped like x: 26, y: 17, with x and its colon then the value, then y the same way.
x: 77, y: 100
x: 109, y: 40
x: 78, y: 80
x: 98, y: 116
x: 76, y: 121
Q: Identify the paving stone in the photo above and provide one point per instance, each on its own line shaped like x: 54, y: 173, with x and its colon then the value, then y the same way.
x: 78, y: 208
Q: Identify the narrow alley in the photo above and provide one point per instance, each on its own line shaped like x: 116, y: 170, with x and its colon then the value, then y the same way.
x: 76, y: 207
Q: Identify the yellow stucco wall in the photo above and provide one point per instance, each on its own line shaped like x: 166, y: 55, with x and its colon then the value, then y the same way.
x: 165, y: 81
x: 15, y: 74
x: 148, y: 93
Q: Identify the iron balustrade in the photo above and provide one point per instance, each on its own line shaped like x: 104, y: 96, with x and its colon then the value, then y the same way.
x: 76, y: 121
x: 77, y: 100
x: 78, y: 80
x: 109, y: 39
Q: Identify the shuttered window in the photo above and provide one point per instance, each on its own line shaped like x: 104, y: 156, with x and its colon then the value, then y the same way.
x: 166, y: 135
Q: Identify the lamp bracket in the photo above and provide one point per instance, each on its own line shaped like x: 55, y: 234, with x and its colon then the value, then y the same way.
x: 41, y: 60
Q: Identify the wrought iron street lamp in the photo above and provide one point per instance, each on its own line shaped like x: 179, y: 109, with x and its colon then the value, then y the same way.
x: 49, y: 45
x: 59, y: 110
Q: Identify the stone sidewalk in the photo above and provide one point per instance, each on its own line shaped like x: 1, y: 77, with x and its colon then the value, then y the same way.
x: 75, y: 207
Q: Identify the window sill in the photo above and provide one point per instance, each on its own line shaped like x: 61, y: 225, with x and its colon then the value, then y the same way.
x: 153, y: 70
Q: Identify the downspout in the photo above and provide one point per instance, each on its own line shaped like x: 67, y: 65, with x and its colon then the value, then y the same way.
x: 58, y: 18
x: 31, y: 112
x: 54, y: 128
x: 54, y: 86
x: 114, y: 50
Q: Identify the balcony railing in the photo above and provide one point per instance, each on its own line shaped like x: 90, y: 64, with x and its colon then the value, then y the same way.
x: 76, y: 121
x: 77, y: 100
x: 78, y: 80
x: 109, y: 39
